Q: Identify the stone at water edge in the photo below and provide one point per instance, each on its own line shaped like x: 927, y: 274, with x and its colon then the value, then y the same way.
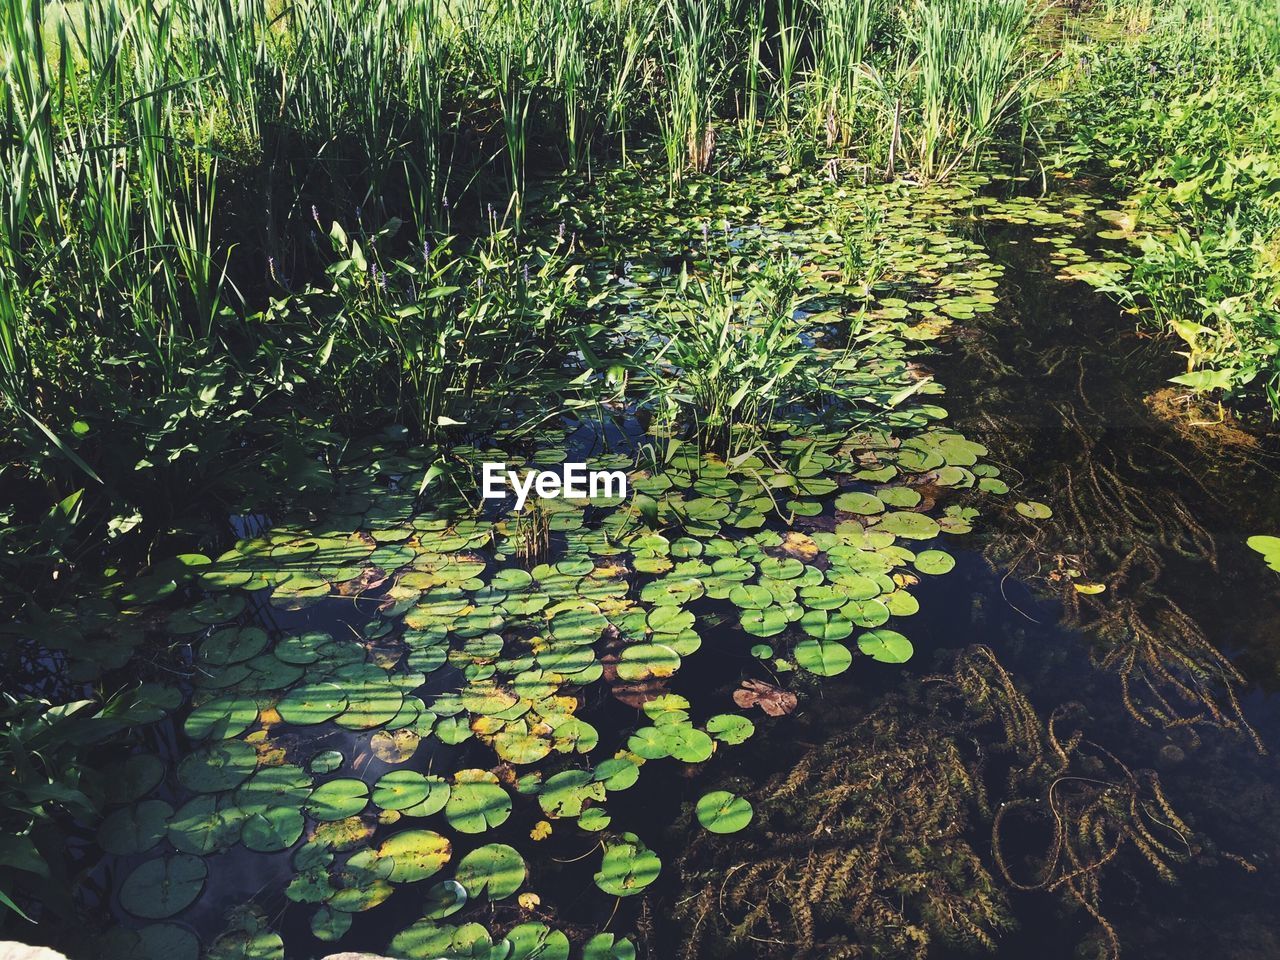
x: 12, y: 950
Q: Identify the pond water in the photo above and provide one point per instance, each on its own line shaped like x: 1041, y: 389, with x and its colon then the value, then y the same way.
x: 1135, y: 598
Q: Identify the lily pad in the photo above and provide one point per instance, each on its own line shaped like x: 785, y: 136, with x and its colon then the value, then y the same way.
x: 628, y: 867
x: 160, y: 888
x: 415, y: 855
x: 495, y: 869
x: 219, y: 766
x: 1033, y: 509
x: 476, y: 802
x: 887, y: 646
x: 338, y: 799
x: 826, y: 658
x: 934, y: 562
x: 723, y: 812
x: 536, y: 941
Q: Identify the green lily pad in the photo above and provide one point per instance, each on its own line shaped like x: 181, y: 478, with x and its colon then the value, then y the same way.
x: 910, y: 526
x: 495, y: 868
x: 233, y: 645
x: 1033, y: 509
x: 160, y: 888
x: 863, y: 504
x: 723, y: 812
x: 219, y: 766
x: 566, y: 793
x: 444, y: 899
x: 414, y: 855
x: 338, y: 799
x: 628, y: 867
x: 329, y: 925
x: 536, y: 941
x: 312, y: 704
x: 640, y: 661
x: 167, y: 941
x: 617, y: 773
x: 730, y: 728
x: 272, y: 829
x: 220, y: 718
x: 826, y: 625
x: 476, y: 802
x: 668, y: 620
x: 135, y: 829
x: 203, y: 825
x: 1269, y: 547
x: 934, y: 562
x: 326, y: 761
x: 673, y: 591
x: 887, y: 646
x: 607, y: 946
x: 768, y: 622
x: 826, y: 658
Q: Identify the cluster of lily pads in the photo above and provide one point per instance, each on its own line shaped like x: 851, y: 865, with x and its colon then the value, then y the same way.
x: 390, y: 694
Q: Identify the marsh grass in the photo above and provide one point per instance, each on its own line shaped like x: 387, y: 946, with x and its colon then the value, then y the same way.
x: 735, y: 349
x: 973, y: 73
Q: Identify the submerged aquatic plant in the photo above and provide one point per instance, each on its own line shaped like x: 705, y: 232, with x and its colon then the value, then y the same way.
x: 867, y: 847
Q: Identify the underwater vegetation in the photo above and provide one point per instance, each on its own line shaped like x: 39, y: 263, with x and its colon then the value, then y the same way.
x: 869, y: 846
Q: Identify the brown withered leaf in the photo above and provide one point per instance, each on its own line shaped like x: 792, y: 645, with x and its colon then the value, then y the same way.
x: 394, y: 746
x: 370, y: 578
x: 635, y: 694
x: 774, y: 701
x: 799, y: 545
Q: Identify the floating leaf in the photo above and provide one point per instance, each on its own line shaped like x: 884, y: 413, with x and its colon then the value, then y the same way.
x: 495, y: 868
x: 723, y: 812
x: 628, y: 867
x: 910, y: 526
x: 565, y: 793
x: 606, y: 946
x: 934, y: 562
x: 1033, y: 510
x: 338, y: 799
x: 312, y: 704
x: 887, y: 646
x: 135, y: 829
x: 476, y: 802
x: 730, y: 728
x: 160, y: 888
x: 444, y: 899
x: 768, y: 622
x: 774, y: 701
x: 536, y: 941
x: 414, y: 855
x: 219, y: 766
x: 644, y: 660
x: 826, y: 658
x: 864, y: 504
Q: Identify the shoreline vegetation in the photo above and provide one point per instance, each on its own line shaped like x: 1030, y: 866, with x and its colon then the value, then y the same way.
x: 279, y: 279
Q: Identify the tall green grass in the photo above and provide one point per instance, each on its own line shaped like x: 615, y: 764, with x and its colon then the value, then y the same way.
x: 973, y: 73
